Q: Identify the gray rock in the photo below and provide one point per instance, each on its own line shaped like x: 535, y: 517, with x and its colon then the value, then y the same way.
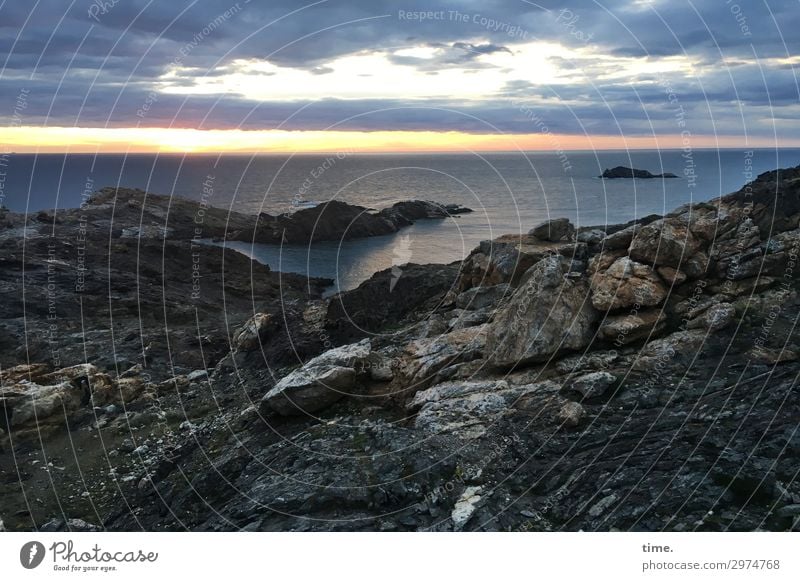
x: 548, y: 314
x: 465, y: 506
x: 466, y: 319
x: 621, y: 239
x: 626, y: 283
x: 591, y: 361
x: 553, y: 230
x: 424, y: 358
x: 320, y: 382
x: 251, y: 335
x: 198, y: 375
x: 593, y: 236
x: 715, y: 318
x: 571, y: 414
x: 592, y: 384
x: 483, y: 297
x: 666, y: 242
x: 632, y: 327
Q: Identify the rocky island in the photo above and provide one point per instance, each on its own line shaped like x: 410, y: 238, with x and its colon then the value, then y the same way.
x: 627, y: 172
x: 640, y: 376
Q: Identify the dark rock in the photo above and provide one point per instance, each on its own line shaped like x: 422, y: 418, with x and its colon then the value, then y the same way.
x: 626, y: 172
x: 553, y: 230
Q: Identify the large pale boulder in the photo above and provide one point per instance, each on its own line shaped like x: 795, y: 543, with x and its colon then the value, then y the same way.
x: 626, y: 283
x: 320, y: 382
x: 548, y: 314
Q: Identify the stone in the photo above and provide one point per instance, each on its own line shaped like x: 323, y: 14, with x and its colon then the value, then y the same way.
x: 571, y: 413
x: 547, y: 315
x: 601, y: 506
x: 629, y: 328
x: 591, y: 236
x: 252, y: 334
x: 626, y: 283
x: 379, y: 367
x: 198, y: 375
x: 465, y: 319
x: 304, y: 391
x: 714, y: 318
x: 467, y: 408
x: 590, y: 361
x: 673, y: 350
x: 671, y: 276
x: 592, y: 384
x: 424, y: 358
x: 553, y: 230
x: 320, y: 382
x: 483, y: 297
x: 465, y: 506
x: 621, y: 239
x: 666, y: 242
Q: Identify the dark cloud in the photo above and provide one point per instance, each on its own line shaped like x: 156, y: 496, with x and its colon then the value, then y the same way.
x: 99, y: 71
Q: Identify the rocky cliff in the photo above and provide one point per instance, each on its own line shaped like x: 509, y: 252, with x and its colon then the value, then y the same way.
x: 631, y: 377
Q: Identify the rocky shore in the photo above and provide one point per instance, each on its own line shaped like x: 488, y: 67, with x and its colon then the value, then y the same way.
x: 631, y: 377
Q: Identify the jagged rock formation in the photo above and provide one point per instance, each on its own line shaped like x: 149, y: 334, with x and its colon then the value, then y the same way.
x: 638, y: 377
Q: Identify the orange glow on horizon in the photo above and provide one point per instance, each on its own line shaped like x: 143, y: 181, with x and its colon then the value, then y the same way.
x: 166, y: 140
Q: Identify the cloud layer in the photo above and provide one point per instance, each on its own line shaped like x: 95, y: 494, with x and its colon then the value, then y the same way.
x: 644, y: 67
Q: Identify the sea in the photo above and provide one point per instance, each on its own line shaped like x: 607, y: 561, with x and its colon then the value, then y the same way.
x: 509, y: 193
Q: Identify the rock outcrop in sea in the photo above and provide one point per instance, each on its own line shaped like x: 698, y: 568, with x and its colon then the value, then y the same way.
x: 627, y: 172
x: 630, y: 377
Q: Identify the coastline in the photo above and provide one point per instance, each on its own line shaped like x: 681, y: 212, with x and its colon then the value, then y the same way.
x: 573, y: 369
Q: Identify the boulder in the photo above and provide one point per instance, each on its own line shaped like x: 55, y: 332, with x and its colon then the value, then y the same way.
x: 320, y: 382
x: 714, y: 318
x: 386, y: 298
x: 482, y: 297
x: 424, y: 358
x: 626, y: 283
x: 671, y: 276
x: 464, y: 319
x: 632, y: 327
x: 589, y: 361
x: 467, y: 408
x: 253, y: 333
x: 571, y: 413
x: 621, y: 239
x: 591, y: 236
x: 465, y: 506
x: 670, y: 352
x: 667, y: 242
x: 548, y: 314
x: 592, y: 384
x: 553, y: 230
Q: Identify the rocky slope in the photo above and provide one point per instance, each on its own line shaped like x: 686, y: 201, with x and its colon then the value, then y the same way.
x: 632, y: 377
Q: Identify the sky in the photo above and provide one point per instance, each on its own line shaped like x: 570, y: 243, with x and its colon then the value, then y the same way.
x: 378, y: 75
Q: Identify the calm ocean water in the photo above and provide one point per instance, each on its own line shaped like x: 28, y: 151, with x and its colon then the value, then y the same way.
x: 509, y: 192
